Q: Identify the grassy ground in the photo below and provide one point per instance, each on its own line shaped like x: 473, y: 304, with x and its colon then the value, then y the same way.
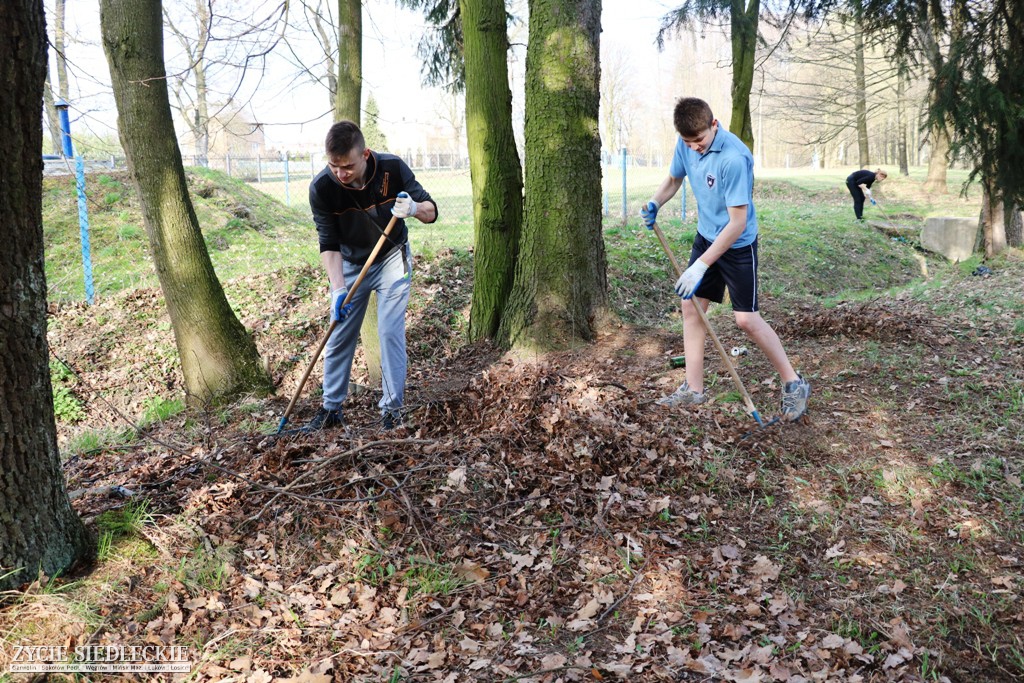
x: 546, y: 521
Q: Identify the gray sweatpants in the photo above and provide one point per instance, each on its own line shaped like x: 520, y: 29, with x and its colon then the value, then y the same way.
x: 391, y: 280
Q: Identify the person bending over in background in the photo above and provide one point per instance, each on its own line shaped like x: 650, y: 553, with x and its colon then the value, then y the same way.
x: 724, y: 253
x: 859, y: 184
x: 352, y: 199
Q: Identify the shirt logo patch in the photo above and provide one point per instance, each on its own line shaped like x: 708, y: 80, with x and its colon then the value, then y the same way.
x: 711, y: 180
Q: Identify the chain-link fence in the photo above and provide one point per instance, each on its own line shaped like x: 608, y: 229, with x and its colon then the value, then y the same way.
x: 628, y: 181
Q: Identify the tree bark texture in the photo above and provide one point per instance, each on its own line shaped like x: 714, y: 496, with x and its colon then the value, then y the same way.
x: 931, y: 36
x: 901, y: 124
x: 218, y: 357
x: 560, y: 283
x: 348, y: 103
x: 201, y: 124
x: 860, y: 96
x: 52, y: 118
x: 493, y: 161
x: 1014, y: 226
x: 993, y: 220
x: 744, y: 21
x: 39, y: 531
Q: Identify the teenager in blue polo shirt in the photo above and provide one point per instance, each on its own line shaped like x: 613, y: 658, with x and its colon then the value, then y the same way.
x: 353, y: 199
x: 724, y: 253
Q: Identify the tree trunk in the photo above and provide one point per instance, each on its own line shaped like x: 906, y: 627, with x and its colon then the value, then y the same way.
x: 52, y: 118
x: 493, y: 162
x: 202, y: 116
x: 218, y: 357
x: 901, y: 123
x: 993, y: 220
x: 931, y: 36
x: 560, y: 282
x: 744, y: 47
x: 350, y: 61
x: 60, y: 46
x: 39, y: 531
x: 861, y: 101
x: 1014, y: 226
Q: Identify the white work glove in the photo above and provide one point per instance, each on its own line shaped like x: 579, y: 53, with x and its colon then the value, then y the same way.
x: 867, y: 192
x: 688, y: 282
x: 404, y: 206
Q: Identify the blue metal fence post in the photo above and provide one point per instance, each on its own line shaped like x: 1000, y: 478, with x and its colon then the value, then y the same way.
x: 83, y: 227
x: 625, y: 199
x: 83, y: 207
x: 287, y: 199
x: 65, y: 128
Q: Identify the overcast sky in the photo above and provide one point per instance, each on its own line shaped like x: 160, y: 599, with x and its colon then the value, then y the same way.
x: 294, y: 111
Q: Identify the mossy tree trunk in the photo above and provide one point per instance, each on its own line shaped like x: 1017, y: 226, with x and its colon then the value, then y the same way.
x: 560, y: 285
x: 39, y: 531
x: 218, y: 357
x: 350, y: 61
x: 494, y: 163
x: 744, y: 22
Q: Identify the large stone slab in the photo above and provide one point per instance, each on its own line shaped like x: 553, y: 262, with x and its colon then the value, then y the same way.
x: 954, y: 238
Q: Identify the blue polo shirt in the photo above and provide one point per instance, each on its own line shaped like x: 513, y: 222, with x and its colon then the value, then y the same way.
x: 721, y: 177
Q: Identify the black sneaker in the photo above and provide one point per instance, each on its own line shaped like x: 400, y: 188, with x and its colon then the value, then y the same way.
x: 325, y: 419
x: 391, y: 419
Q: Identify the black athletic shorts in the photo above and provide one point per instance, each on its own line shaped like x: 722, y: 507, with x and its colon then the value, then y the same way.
x: 735, y: 269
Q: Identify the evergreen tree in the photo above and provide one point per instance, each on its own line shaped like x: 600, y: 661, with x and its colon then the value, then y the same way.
x: 978, y: 90
x: 375, y: 138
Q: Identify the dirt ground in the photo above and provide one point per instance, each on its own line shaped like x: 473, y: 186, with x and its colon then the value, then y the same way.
x: 542, y: 519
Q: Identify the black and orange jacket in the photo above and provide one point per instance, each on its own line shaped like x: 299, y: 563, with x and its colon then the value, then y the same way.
x: 351, y: 221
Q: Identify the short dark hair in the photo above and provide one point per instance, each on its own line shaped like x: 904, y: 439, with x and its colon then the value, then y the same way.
x: 692, y: 116
x: 342, y: 138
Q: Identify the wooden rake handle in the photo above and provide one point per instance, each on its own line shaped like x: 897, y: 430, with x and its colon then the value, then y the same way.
x: 334, y: 323
x: 751, y: 410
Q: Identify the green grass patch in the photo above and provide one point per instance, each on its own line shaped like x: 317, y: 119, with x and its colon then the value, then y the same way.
x: 118, y: 525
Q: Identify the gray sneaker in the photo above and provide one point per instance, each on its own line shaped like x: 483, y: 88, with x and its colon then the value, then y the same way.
x: 683, y: 396
x: 794, y: 399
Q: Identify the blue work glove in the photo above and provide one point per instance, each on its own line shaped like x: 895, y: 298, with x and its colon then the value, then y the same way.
x: 649, y: 212
x: 404, y: 206
x: 688, y: 282
x: 340, y: 312
x: 873, y: 201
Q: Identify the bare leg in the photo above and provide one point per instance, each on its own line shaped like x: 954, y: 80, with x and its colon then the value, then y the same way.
x: 762, y: 334
x: 694, y: 335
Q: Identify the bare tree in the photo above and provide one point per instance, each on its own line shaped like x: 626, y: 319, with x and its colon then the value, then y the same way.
x: 451, y: 108
x: 60, y: 52
x: 618, y: 100
x: 219, y: 42
x: 317, y: 22
x: 194, y: 104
